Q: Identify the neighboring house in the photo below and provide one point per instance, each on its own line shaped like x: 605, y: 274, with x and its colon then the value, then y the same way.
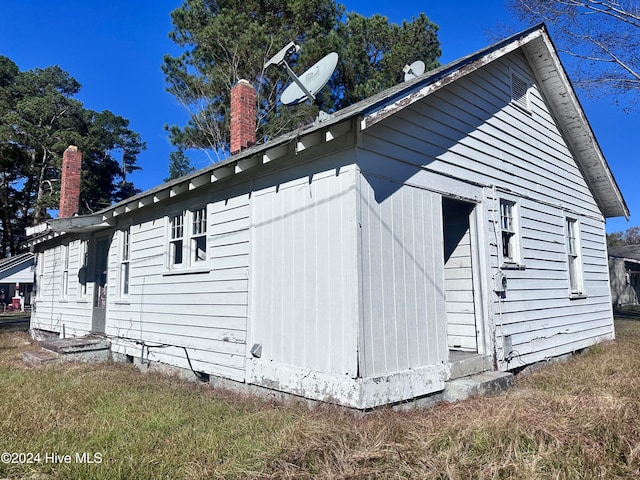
x: 16, y: 279
x: 456, y: 217
x: 624, y: 274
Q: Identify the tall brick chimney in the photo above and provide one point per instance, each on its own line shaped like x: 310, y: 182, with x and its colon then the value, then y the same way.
x: 70, y: 189
x: 243, y: 116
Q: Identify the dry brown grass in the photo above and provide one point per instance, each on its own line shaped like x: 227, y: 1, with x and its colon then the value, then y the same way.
x: 579, y: 419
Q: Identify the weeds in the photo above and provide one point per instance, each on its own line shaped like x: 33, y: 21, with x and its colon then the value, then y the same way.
x: 578, y: 419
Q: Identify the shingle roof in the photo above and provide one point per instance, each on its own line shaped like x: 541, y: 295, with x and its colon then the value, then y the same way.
x: 7, y: 264
x: 536, y: 45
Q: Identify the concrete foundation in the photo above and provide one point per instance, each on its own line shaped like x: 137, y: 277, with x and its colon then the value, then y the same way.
x: 98, y: 349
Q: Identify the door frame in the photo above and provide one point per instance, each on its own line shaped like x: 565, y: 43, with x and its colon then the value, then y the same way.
x: 478, y: 259
x: 98, y: 325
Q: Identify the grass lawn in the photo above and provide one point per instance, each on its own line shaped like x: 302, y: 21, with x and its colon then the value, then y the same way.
x: 578, y: 419
x: 13, y: 316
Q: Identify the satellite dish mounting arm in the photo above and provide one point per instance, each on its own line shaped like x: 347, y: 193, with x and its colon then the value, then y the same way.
x: 281, y: 58
x: 309, y: 83
x: 310, y: 96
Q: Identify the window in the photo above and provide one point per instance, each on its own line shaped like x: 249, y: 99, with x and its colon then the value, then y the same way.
x: 573, y: 257
x: 83, y: 256
x: 125, y: 253
x: 65, y: 271
x: 188, y: 239
x: 520, y: 91
x: 508, y: 232
x: 176, y: 237
x: 199, y: 235
x: 40, y: 280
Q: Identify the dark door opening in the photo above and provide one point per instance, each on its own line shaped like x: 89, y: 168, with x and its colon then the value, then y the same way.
x: 100, y: 256
x: 462, y: 332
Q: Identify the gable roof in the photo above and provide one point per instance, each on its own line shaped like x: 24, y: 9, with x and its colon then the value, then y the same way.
x: 11, y: 265
x: 631, y: 252
x: 535, y: 44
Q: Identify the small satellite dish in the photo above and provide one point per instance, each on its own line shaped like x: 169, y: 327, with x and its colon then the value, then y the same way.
x: 311, y: 81
x: 414, y: 70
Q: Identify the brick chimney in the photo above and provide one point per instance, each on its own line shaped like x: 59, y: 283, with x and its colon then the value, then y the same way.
x: 243, y: 116
x: 70, y: 189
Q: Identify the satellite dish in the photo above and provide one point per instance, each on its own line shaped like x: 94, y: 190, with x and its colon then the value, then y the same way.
x: 312, y: 81
x: 414, y: 70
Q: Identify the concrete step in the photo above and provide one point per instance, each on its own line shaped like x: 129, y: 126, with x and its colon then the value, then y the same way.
x: 464, y: 364
x: 486, y: 383
x: 76, y: 344
x: 79, y: 349
x: 39, y: 358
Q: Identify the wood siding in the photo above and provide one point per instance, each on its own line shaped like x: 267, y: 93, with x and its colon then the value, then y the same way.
x: 304, y: 275
x: 471, y: 131
x: 200, y: 312
x: 332, y: 260
x: 402, y: 287
x: 624, y: 274
x: 458, y: 278
x: 54, y: 312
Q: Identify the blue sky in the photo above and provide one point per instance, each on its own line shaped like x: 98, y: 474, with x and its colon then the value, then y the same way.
x: 115, y: 49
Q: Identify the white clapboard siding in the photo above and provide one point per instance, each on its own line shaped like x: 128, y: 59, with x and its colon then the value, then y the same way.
x: 458, y: 280
x: 304, y: 276
x: 403, y: 305
x: 471, y: 131
x: 70, y: 315
x: 538, y: 309
x: 204, y: 310
x: 492, y: 143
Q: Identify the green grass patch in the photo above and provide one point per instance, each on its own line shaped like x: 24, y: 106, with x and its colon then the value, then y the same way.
x: 577, y: 419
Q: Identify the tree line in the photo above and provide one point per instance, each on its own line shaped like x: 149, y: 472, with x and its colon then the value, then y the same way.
x: 39, y: 119
x: 630, y: 236
x: 228, y: 40
x: 223, y: 41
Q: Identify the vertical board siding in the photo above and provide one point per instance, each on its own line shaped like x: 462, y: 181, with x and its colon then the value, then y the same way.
x: 204, y: 312
x: 304, y: 275
x: 402, y: 278
x: 471, y: 131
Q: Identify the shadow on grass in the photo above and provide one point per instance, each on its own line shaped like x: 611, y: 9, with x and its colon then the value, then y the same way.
x: 14, y: 321
x: 627, y: 312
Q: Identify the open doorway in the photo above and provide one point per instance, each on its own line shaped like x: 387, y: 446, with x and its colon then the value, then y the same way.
x: 462, y: 331
x: 100, y: 253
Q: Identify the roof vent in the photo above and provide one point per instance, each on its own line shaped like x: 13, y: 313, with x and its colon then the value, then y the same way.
x: 520, y: 91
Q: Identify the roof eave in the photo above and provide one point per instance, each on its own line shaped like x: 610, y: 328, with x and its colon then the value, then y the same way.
x: 575, y: 126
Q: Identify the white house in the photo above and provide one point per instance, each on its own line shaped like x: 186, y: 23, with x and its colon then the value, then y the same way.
x: 457, y: 217
x: 16, y: 280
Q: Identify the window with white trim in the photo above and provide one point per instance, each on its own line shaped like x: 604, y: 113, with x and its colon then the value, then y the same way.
x: 125, y: 255
x: 65, y: 271
x: 188, y: 239
x: 40, y: 267
x: 176, y: 237
x: 510, y: 243
x: 83, y: 257
x: 574, y: 259
x: 198, y: 235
